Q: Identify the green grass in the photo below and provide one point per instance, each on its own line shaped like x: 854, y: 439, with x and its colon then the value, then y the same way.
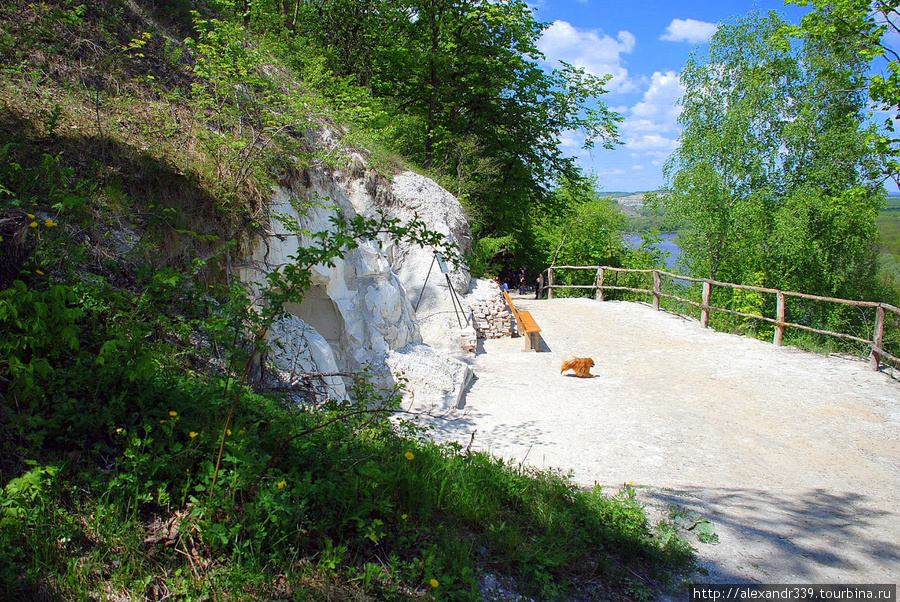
x: 889, y: 237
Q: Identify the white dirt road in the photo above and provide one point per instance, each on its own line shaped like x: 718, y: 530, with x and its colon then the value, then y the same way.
x: 794, y: 456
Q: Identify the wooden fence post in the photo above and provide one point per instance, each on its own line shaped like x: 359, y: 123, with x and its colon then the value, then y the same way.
x: 779, y: 319
x: 550, y: 283
x: 656, y: 285
x: 704, y: 304
x: 599, y: 281
x: 877, y: 336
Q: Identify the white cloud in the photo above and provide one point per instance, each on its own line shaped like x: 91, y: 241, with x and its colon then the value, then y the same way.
x: 689, y: 30
x: 592, y: 50
x: 651, y: 143
x: 658, y: 109
x: 571, y: 140
x: 650, y: 129
x: 641, y: 125
x: 637, y: 167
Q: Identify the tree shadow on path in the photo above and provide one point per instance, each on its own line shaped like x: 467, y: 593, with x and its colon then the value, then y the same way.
x: 807, y: 535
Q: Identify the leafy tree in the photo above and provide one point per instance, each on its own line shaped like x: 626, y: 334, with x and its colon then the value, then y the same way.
x: 825, y: 228
x: 465, y: 95
x: 587, y: 229
x: 865, y: 29
x: 774, y: 172
x: 723, y: 175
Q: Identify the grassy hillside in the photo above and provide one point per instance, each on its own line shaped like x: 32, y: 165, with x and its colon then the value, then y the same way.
x: 889, y: 237
x: 137, y: 461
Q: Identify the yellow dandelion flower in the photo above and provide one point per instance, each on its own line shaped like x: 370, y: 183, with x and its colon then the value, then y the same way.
x: 30, y: 215
x: 192, y: 434
x: 228, y: 432
x: 434, y: 583
x: 32, y: 225
x: 49, y: 223
x: 162, y: 421
x: 409, y: 455
x: 39, y: 273
x: 173, y: 413
x: 404, y: 516
x: 281, y: 484
x: 118, y: 431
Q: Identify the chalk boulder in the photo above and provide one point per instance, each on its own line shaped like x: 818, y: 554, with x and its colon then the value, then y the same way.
x: 302, y: 360
x: 434, y: 382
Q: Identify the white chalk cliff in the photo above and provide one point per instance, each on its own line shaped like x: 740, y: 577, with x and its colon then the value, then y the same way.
x: 359, y: 314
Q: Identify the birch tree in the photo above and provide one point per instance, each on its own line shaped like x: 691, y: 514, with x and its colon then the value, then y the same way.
x: 775, y: 173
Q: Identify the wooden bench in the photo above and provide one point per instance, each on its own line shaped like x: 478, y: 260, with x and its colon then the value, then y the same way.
x: 525, y: 324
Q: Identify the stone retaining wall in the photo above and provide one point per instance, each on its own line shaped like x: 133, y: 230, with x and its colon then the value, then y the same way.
x: 491, y: 316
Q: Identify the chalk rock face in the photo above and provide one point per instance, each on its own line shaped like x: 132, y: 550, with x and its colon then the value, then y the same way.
x: 442, y: 322
x: 358, y: 305
x: 435, y: 382
x: 363, y: 306
x: 442, y: 314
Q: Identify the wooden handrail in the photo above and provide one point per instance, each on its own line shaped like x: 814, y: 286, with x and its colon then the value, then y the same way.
x: 875, y: 344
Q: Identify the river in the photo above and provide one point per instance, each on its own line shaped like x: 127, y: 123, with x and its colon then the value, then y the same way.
x: 667, y: 244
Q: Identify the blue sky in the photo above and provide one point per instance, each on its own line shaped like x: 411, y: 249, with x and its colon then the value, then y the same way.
x: 643, y: 44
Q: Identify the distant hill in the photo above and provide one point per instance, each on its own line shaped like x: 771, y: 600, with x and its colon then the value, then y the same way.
x: 631, y: 202
x: 634, y: 201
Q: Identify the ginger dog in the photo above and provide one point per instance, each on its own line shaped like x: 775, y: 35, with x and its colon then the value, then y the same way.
x: 581, y: 366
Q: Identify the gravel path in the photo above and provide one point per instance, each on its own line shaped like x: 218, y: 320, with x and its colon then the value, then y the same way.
x: 794, y: 456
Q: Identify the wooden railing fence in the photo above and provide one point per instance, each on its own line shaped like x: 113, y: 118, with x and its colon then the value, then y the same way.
x: 875, y: 344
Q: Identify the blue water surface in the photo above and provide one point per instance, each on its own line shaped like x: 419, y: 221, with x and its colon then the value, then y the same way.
x: 667, y: 244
